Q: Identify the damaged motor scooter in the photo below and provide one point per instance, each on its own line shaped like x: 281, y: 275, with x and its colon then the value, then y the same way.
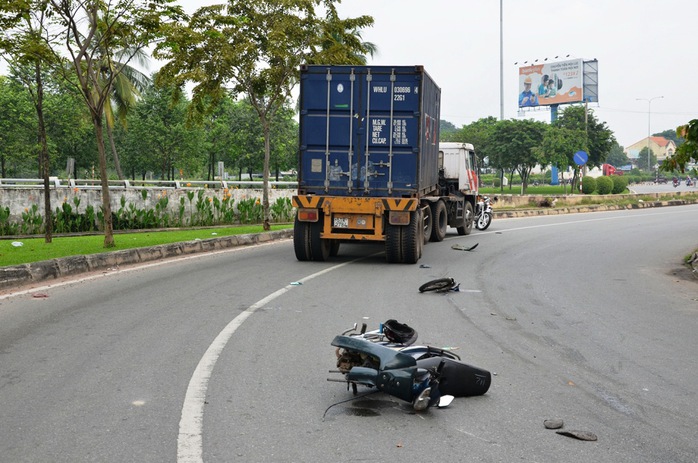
x: 388, y: 360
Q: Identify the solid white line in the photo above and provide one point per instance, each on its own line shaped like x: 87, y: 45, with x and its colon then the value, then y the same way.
x: 190, y: 439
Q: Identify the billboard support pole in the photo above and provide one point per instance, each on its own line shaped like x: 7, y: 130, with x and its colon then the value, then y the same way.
x: 553, y: 170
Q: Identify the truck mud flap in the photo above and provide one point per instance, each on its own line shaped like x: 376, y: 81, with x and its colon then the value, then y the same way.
x: 457, y: 378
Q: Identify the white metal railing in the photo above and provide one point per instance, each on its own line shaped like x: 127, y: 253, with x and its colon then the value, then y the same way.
x: 55, y: 182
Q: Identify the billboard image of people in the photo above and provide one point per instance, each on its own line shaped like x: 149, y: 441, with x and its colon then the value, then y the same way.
x: 550, y: 83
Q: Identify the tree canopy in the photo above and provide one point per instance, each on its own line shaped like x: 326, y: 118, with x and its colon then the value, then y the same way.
x: 255, y: 49
x: 688, y: 151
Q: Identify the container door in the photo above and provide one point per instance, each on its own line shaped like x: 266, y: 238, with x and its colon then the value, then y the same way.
x: 360, y: 131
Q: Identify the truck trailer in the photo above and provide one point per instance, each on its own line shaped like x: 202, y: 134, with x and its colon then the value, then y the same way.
x: 371, y: 168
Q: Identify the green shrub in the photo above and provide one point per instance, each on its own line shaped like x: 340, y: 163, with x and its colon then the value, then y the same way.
x: 604, y: 185
x: 588, y: 185
x: 496, y: 182
x: 619, y: 184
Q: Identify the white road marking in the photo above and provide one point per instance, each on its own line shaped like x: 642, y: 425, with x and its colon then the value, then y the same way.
x: 190, y: 439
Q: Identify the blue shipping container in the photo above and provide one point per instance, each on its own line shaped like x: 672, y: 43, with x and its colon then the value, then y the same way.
x: 368, y: 131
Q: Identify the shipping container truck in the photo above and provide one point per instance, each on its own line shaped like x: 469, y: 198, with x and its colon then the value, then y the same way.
x: 370, y: 165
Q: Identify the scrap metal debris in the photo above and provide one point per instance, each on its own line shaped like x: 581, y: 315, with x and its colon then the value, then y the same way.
x: 459, y: 247
x: 581, y: 435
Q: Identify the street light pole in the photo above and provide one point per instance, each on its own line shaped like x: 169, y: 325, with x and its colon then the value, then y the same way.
x: 649, y: 115
x: 501, y: 60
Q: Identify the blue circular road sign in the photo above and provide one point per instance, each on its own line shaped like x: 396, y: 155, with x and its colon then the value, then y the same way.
x: 581, y: 158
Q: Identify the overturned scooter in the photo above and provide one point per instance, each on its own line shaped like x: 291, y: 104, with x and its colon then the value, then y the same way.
x: 424, y: 376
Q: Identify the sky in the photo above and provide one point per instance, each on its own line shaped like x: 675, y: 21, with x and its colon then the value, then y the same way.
x: 645, y: 49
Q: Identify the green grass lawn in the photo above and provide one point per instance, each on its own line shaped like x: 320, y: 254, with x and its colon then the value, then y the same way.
x: 36, y: 249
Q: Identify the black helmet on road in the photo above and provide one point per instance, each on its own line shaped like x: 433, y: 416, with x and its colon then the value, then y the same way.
x: 399, y: 333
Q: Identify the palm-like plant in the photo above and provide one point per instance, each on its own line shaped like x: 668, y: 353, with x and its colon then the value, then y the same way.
x: 126, y: 87
x: 341, y: 43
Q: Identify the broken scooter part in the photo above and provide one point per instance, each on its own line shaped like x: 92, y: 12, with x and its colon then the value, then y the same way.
x: 440, y: 285
x: 424, y: 376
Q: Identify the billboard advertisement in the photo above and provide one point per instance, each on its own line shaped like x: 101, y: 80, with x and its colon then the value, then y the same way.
x: 551, y: 83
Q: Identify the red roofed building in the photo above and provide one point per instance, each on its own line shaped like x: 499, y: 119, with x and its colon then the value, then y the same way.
x: 660, y: 147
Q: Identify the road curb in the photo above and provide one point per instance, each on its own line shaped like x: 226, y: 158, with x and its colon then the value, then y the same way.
x: 589, y: 208
x: 19, y: 275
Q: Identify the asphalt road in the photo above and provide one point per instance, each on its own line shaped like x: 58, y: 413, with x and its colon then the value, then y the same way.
x: 589, y: 318
x: 643, y: 188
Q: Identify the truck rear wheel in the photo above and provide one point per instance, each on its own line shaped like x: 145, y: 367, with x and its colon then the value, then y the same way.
x: 319, y: 248
x: 468, y: 219
x: 439, y: 221
x: 307, y: 242
x: 403, y: 243
x: 301, y: 240
x: 412, y: 240
x: 393, y: 244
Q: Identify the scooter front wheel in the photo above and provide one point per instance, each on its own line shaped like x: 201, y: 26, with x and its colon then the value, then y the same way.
x: 484, y: 221
x: 440, y: 284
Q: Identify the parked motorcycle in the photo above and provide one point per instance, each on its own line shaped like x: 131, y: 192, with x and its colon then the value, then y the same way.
x: 388, y: 360
x: 483, y: 212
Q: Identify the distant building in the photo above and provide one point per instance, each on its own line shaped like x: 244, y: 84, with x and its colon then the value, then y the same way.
x: 660, y: 147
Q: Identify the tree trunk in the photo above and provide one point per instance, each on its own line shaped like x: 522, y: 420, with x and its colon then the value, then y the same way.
x: 106, y: 199
x: 265, y: 193
x: 115, y: 155
x: 43, y: 156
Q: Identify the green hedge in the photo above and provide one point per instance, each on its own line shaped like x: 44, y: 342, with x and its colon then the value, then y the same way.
x: 604, y: 185
x: 588, y: 185
x: 619, y: 184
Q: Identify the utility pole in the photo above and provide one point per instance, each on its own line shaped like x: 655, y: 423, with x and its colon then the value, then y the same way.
x: 649, y: 115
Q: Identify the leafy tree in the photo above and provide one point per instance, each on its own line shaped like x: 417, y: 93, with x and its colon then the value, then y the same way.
x: 159, y: 138
x: 342, y: 43
x: 26, y: 40
x: 17, y: 130
x: 126, y: 87
x: 600, y: 137
x: 617, y: 157
x: 257, y: 48
x: 447, y: 130
x: 558, y: 148
x: 478, y: 133
x: 107, y: 26
x: 516, y: 146
x: 642, y: 161
x: 234, y: 135
x: 687, y: 152
x: 284, y: 137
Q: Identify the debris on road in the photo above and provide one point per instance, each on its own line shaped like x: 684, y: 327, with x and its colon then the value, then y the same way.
x: 581, y: 435
x: 459, y: 247
x: 553, y: 424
